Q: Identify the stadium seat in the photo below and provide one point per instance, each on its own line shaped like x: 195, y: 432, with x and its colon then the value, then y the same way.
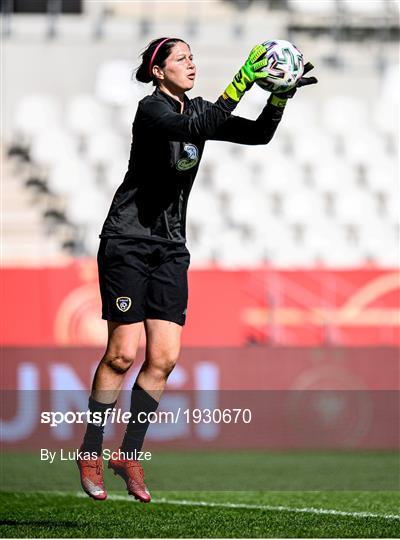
x: 305, y: 7
x: 87, y: 206
x: 39, y: 251
x: 379, y: 243
x: 91, y: 236
x: 332, y: 175
x: 363, y: 147
x: 355, y: 206
x: 370, y: 8
x: 383, y: 175
x: 203, y: 209
x: 126, y: 114
x: 243, y: 208
x: 69, y: 176
x: 386, y: 118
x: 237, y: 249
x: 344, y: 112
x: 306, y: 206
x: 225, y: 176
x: 36, y: 113
x: 310, y: 144
x: 86, y: 116
x: 216, y: 152
x: 105, y: 148
x: 331, y: 247
x: 291, y: 254
x: 277, y: 239
x: 256, y: 98
x: 115, y: 173
x: 391, y: 79
x: 114, y: 84
x: 392, y: 209
x: 343, y: 256
x: 277, y: 151
x: 201, y: 253
x: 299, y: 117
x: 281, y: 177
x: 51, y: 146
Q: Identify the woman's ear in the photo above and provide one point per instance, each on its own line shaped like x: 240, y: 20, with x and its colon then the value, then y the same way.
x: 158, y: 73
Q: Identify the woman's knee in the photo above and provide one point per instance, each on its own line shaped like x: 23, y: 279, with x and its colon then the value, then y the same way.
x: 162, y: 364
x: 123, y: 341
x: 119, y: 362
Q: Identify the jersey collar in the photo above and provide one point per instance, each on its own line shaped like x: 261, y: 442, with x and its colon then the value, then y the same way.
x: 176, y: 105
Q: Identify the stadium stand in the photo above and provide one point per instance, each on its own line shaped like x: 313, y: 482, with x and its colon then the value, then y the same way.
x: 26, y: 235
x: 330, y: 176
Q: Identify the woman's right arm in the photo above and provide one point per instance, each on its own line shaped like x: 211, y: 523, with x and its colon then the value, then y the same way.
x: 155, y: 115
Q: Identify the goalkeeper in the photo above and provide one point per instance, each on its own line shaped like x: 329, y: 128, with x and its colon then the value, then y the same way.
x: 142, y: 259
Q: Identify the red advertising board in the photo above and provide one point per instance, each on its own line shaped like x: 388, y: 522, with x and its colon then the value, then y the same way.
x: 61, y: 306
x: 297, y: 397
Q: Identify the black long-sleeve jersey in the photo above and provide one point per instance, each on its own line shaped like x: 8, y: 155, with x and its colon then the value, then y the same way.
x: 166, y: 150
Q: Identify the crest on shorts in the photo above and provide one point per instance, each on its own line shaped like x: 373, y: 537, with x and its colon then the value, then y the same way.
x: 123, y: 303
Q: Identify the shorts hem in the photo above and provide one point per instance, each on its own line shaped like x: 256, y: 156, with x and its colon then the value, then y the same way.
x: 131, y: 321
x: 181, y: 322
x: 121, y: 319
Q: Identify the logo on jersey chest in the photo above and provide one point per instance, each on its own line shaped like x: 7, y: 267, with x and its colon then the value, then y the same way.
x: 190, y: 158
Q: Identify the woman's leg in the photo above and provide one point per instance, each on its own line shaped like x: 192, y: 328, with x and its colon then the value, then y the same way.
x: 123, y: 342
x: 162, y: 351
x: 122, y: 346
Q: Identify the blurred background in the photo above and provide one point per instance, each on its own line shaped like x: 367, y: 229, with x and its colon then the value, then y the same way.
x: 295, y: 245
x: 69, y: 103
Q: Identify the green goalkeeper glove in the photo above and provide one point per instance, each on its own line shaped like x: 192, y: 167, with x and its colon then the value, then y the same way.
x: 247, y: 74
x: 280, y: 99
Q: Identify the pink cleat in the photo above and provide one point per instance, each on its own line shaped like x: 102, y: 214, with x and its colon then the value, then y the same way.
x: 132, y: 472
x: 92, y: 477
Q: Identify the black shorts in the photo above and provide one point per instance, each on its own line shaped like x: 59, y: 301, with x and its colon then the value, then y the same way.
x: 142, y: 279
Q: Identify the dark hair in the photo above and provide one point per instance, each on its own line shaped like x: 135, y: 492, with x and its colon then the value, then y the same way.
x: 143, y: 72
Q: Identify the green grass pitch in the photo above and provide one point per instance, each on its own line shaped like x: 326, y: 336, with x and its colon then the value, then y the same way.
x: 39, y: 500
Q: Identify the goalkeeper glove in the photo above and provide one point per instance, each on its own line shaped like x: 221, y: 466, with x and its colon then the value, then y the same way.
x: 247, y: 74
x: 279, y: 99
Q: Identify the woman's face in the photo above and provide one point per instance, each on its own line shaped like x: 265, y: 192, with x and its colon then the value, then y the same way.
x: 179, y: 70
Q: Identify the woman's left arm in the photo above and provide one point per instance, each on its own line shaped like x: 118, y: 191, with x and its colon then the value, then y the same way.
x: 243, y: 131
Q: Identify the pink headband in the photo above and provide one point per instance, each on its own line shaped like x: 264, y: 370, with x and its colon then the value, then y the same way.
x: 155, y: 53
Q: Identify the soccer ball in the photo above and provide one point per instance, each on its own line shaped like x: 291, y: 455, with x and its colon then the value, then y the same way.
x: 285, y: 66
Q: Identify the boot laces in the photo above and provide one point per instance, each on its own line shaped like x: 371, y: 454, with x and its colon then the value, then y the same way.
x: 138, y: 467
x: 95, y: 464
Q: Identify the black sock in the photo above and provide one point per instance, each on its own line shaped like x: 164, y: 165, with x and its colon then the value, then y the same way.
x: 93, y: 439
x: 141, y: 402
